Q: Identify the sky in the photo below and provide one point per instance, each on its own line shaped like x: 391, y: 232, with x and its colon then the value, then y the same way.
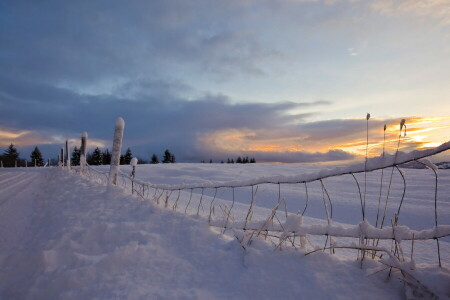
x: 278, y: 80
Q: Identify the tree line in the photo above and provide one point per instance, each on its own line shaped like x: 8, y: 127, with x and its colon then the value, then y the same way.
x: 99, y: 157
x: 11, y: 158
x: 239, y: 160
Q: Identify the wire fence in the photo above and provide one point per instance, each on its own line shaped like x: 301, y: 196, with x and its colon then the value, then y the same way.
x: 282, y: 226
x: 261, y: 208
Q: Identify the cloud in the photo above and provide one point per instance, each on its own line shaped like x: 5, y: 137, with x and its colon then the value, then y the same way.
x: 434, y: 9
x: 156, y: 116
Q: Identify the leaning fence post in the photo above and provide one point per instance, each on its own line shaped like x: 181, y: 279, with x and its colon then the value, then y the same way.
x: 133, y: 165
x: 115, y: 156
x: 84, y: 137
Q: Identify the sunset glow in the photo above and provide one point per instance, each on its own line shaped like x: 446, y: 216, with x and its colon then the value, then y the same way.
x: 206, y: 80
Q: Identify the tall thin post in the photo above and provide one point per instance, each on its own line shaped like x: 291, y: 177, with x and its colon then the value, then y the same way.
x: 83, y: 148
x: 133, y: 165
x: 1, y: 163
x: 115, y: 155
x: 15, y: 163
x: 61, y: 161
x: 67, y: 157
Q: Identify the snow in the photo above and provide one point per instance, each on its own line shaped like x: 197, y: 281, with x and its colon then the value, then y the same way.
x: 65, y: 237
x: 372, y: 164
x: 120, y: 123
x: 116, y: 148
x: 134, y: 162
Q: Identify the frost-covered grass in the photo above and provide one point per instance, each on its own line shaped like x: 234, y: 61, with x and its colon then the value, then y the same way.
x: 64, y: 237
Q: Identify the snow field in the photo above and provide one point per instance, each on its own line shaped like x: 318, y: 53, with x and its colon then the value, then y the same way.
x: 81, y: 241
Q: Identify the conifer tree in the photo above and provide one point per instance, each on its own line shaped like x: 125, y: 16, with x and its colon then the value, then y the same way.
x: 167, y: 158
x: 97, y: 157
x: 239, y: 160
x: 75, y: 160
x: 154, y: 159
x: 106, y: 157
x: 127, y: 157
x: 10, y: 156
x: 36, y: 158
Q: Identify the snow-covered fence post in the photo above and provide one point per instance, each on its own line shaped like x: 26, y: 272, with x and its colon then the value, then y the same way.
x: 61, y: 160
x: 67, y: 158
x: 133, y: 165
x: 1, y: 163
x: 115, y: 155
x: 84, y: 137
x: 26, y: 164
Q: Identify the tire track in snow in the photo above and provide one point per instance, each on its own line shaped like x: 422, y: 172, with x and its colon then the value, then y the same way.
x: 4, y: 182
x: 15, y: 185
x: 16, y: 206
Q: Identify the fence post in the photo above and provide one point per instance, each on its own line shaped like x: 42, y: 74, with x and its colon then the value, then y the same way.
x: 115, y: 155
x: 15, y: 163
x: 61, y: 158
x: 84, y: 137
x: 1, y: 163
x: 67, y: 158
x: 133, y: 164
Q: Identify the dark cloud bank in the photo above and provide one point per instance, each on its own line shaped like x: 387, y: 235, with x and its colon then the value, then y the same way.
x: 153, y: 122
x: 55, y: 53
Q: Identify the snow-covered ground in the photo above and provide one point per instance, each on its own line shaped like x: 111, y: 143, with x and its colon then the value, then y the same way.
x: 65, y: 237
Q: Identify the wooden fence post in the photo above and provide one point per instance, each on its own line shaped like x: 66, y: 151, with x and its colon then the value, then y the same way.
x: 67, y: 158
x: 115, y: 155
x: 83, y: 150
x: 61, y: 158
x: 133, y: 164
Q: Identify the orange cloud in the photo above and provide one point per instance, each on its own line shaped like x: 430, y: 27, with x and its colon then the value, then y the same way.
x: 31, y: 138
x: 421, y: 132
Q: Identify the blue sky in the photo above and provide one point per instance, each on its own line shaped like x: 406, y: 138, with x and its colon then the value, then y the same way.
x: 283, y: 80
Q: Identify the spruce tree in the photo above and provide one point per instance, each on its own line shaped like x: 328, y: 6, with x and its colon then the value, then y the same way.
x: 167, y: 158
x: 154, y: 159
x: 97, y: 157
x: 239, y: 160
x: 36, y: 158
x: 10, y: 156
x: 106, y: 157
x: 127, y: 157
x: 75, y: 160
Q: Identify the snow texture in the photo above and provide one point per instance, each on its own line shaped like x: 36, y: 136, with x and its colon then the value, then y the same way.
x: 117, y: 147
x: 134, y: 162
x: 372, y: 164
x: 63, y: 237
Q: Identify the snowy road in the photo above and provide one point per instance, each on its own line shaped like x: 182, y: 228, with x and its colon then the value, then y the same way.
x: 63, y: 237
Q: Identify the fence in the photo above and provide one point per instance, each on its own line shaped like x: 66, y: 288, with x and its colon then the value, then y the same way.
x: 232, y: 207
